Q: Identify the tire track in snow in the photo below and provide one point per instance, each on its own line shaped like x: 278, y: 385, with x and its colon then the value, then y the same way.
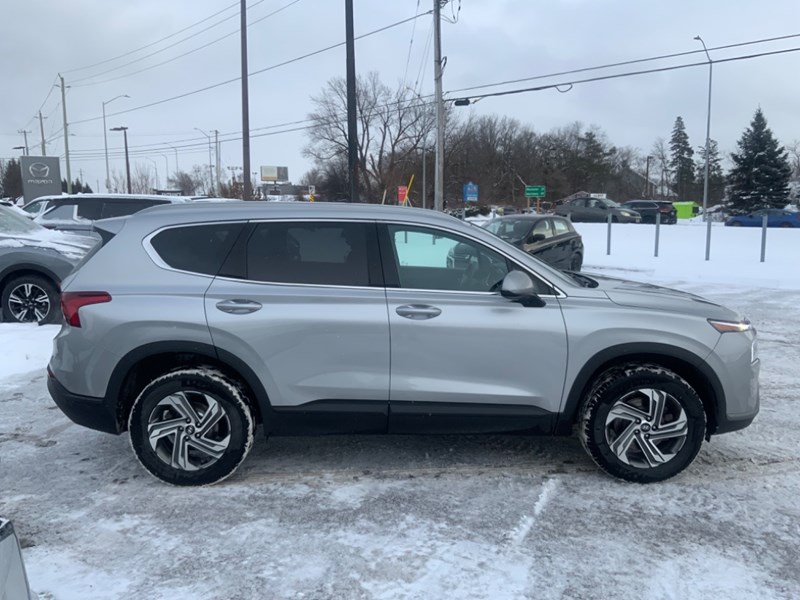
x: 521, y: 531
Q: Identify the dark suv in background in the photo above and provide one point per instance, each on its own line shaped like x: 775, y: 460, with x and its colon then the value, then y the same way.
x: 650, y: 208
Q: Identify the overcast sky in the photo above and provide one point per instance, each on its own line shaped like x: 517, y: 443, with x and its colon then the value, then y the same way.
x: 491, y: 41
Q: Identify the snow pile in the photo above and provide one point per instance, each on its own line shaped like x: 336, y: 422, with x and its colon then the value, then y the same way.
x: 27, y: 347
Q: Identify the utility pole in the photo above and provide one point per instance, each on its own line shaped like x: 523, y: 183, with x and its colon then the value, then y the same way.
x: 424, y: 182
x: 438, y: 194
x: 216, y: 155
x: 352, y: 129
x: 24, y: 133
x: 708, y: 148
x: 66, y: 133
x: 210, y: 167
x: 177, y: 166
x: 247, y: 190
x: 41, y: 129
x: 647, y: 179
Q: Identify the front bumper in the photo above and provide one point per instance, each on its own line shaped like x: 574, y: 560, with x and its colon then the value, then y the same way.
x: 94, y: 413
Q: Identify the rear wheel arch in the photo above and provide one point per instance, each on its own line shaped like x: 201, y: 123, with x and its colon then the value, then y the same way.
x: 144, y: 364
x: 687, y: 365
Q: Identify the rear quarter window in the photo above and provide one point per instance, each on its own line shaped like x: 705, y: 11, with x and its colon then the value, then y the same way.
x: 196, y: 248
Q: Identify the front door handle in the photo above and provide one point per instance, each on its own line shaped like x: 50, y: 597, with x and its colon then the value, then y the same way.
x: 238, y: 306
x: 418, y: 312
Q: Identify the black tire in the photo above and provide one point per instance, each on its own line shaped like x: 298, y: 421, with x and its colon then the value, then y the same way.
x: 615, y: 219
x: 620, y: 388
x: 786, y: 224
x: 231, y: 436
x: 576, y: 262
x: 736, y: 224
x: 42, y: 296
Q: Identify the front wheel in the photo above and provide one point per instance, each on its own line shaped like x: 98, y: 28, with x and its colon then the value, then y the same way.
x: 642, y: 423
x: 192, y: 426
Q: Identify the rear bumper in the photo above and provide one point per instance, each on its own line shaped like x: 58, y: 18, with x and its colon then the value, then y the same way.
x: 90, y: 412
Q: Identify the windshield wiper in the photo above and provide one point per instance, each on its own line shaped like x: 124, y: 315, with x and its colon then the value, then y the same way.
x: 582, y: 279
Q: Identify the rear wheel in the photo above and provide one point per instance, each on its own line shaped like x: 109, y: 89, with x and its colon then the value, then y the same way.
x: 736, y: 224
x: 192, y: 426
x: 642, y: 423
x: 786, y: 224
x: 31, y: 299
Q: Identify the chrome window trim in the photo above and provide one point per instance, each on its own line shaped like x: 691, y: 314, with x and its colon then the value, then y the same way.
x: 151, y: 252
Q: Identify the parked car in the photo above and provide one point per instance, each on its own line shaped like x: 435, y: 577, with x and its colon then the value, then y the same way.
x: 326, y: 318
x: 33, y: 261
x: 776, y: 217
x: 547, y: 237
x: 13, y: 579
x: 648, y: 209
x: 596, y: 210
x: 77, y: 212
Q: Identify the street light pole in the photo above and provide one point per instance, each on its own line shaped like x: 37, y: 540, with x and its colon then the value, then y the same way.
x: 155, y: 166
x: 647, y: 178
x: 105, y: 135
x: 66, y: 133
x: 708, y: 148
x: 124, y: 131
x: 177, y: 166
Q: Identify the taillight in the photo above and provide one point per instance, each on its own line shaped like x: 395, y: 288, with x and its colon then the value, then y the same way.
x: 71, y: 302
x: 665, y: 209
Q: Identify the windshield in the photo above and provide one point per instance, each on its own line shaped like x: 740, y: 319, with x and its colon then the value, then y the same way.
x: 510, y: 229
x: 13, y: 223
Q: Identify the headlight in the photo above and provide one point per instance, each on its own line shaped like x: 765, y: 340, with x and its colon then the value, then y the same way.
x: 626, y: 213
x: 728, y: 326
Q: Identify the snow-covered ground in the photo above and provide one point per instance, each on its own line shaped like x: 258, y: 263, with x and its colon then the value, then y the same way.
x: 431, y: 517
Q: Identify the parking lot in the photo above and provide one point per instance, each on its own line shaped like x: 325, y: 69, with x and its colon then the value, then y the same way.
x: 424, y: 517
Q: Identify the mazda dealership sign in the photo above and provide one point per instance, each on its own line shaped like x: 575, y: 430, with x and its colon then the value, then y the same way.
x: 41, y: 176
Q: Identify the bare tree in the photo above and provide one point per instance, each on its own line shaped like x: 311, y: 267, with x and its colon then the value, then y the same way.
x: 187, y: 183
x: 142, y: 179
x: 660, y: 153
x: 119, y: 183
x: 391, y: 127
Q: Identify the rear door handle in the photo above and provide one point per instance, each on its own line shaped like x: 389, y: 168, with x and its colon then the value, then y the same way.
x: 238, y: 306
x: 418, y: 312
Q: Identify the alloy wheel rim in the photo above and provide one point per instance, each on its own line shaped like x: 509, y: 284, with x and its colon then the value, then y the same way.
x: 28, y: 303
x: 189, y: 430
x: 646, y: 428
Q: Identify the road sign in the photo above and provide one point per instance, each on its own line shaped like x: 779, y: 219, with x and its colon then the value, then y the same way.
x: 312, y: 190
x: 470, y: 192
x: 534, y: 191
x: 402, y: 193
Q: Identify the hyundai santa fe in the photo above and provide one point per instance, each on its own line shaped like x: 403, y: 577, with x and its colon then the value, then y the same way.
x: 189, y: 325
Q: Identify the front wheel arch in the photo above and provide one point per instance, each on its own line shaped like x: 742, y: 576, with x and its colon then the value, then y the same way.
x: 685, y: 364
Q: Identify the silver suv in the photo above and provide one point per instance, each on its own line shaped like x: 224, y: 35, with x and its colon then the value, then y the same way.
x: 192, y: 324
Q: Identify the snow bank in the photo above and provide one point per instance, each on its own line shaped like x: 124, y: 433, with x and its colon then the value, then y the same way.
x: 26, y: 347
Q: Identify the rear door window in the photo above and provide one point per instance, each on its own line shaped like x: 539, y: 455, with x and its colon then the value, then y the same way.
x: 319, y: 253
x: 561, y: 227
x: 196, y: 248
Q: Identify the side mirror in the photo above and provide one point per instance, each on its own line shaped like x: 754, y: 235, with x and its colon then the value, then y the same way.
x: 518, y: 286
x: 602, y: 207
x: 536, y: 237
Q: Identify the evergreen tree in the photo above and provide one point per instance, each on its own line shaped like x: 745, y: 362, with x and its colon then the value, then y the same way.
x: 12, y: 179
x: 681, y: 162
x: 716, y: 178
x: 761, y: 171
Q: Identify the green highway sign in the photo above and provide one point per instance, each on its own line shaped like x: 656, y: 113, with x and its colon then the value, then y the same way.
x: 534, y: 191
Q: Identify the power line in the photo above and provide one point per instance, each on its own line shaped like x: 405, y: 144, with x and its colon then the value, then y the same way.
x: 151, y: 44
x: 179, y: 56
x: 569, y: 84
x: 251, y: 74
x: 628, y: 62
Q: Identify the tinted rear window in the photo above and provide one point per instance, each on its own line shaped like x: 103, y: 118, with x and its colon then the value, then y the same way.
x: 197, y: 248
x: 315, y: 253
